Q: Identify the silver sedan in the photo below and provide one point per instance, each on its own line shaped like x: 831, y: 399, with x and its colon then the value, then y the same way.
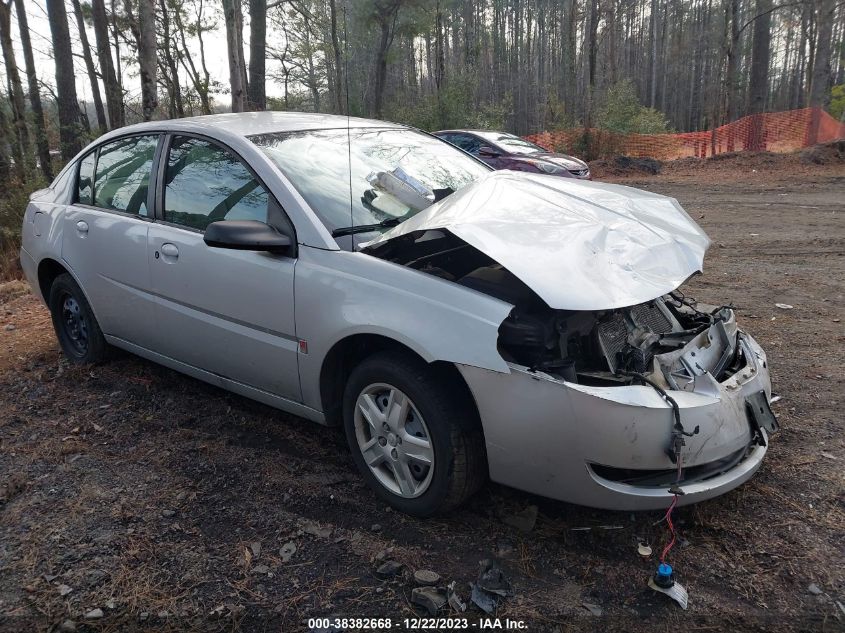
x: 460, y: 324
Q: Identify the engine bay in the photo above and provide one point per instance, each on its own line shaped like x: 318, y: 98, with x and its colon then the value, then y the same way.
x: 670, y: 340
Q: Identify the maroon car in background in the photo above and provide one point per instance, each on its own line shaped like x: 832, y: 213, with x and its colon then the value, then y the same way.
x: 501, y: 150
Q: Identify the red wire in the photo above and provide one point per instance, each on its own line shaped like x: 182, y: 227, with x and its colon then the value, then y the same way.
x: 671, y: 529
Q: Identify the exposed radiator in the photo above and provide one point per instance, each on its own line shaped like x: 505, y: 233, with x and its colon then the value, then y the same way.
x: 613, y: 336
x: 648, y: 315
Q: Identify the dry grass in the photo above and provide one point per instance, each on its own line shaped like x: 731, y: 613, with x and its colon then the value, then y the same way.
x: 10, y: 265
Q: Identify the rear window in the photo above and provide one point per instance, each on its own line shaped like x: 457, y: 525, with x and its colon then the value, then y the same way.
x: 122, y: 178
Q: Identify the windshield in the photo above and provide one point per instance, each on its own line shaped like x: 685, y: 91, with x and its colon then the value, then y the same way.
x: 510, y: 143
x: 395, y: 173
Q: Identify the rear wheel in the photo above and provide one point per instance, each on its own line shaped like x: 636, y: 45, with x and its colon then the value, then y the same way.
x: 415, y: 439
x: 76, y: 328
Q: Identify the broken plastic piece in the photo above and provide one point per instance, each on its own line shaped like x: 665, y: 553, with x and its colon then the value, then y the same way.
x: 644, y: 549
x: 492, y: 586
x: 485, y: 601
x: 493, y: 580
x: 432, y: 598
x: 454, y: 599
x: 664, y: 582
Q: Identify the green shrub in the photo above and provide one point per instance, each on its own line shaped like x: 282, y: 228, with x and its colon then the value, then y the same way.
x: 622, y: 112
x: 456, y: 108
x: 13, y: 201
x: 837, y: 101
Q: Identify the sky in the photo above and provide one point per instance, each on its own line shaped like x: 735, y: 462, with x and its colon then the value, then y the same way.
x: 215, y: 50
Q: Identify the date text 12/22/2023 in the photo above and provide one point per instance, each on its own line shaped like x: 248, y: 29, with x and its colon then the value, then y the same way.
x: 417, y: 624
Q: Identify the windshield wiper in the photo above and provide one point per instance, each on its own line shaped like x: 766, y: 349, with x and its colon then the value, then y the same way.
x: 366, y: 228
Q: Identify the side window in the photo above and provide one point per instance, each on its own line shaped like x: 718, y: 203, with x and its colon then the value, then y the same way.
x: 84, y: 189
x: 467, y: 143
x: 205, y: 183
x: 122, y: 178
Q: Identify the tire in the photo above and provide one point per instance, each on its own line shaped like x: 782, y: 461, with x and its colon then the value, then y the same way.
x: 437, y: 414
x: 77, y: 329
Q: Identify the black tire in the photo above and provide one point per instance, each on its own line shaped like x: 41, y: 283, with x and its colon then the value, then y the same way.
x: 453, y: 429
x: 76, y: 327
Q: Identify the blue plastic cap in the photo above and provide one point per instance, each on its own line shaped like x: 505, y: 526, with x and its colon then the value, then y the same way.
x: 664, y: 569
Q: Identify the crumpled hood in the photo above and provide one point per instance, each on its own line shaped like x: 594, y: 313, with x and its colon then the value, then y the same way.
x: 579, y: 245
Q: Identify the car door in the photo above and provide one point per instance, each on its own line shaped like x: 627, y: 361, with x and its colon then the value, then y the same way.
x: 104, y: 238
x: 229, y: 312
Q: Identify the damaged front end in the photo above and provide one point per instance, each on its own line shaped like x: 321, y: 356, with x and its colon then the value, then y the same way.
x: 616, y: 398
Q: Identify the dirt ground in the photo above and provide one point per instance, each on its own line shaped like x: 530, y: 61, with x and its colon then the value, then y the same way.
x: 168, y: 504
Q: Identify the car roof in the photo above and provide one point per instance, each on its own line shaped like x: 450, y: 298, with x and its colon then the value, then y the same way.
x: 250, y: 123
x: 473, y: 132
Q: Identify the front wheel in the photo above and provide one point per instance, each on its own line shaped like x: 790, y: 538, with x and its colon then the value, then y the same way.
x: 416, y: 439
x: 76, y: 328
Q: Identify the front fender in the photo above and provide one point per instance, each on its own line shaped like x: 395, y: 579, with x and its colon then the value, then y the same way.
x: 340, y: 294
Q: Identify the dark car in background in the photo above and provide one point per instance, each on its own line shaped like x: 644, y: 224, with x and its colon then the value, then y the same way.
x: 501, y: 150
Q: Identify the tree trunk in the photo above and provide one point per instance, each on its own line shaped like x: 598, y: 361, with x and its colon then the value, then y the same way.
x: 759, y: 81
x: 731, y: 81
x: 653, y: 94
x: 69, y: 137
x: 386, y: 19
x: 234, y: 43
x: 118, y: 69
x: 147, y: 57
x: 338, y: 65
x: 89, y: 66
x: 257, y: 54
x: 5, y: 159
x: 34, y: 94
x: 177, y: 108
x: 592, y: 45
x: 439, y: 64
x: 819, y: 88
x: 114, y: 93
x: 20, y: 146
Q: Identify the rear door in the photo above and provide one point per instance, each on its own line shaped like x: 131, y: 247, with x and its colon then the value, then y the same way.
x: 229, y: 312
x: 104, y: 241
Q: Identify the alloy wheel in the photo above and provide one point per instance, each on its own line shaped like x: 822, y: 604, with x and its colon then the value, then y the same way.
x: 394, y: 440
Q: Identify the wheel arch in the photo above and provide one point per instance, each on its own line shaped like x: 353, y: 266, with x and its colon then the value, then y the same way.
x: 48, y: 270
x: 349, y: 352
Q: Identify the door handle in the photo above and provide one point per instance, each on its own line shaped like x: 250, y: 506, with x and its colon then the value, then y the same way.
x: 82, y: 226
x: 169, y: 250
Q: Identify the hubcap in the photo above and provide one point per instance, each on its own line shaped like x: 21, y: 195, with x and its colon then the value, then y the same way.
x: 394, y: 440
x: 75, y: 324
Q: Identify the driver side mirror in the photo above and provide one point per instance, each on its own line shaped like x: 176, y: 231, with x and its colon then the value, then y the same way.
x: 246, y: 235
x: 488, y: 152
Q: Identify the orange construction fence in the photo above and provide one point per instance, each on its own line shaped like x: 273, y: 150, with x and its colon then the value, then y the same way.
x: 773, y: 131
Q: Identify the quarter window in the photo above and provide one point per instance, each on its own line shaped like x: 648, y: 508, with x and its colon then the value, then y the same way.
x: 205, y: 183
x: 122, y: 178
x: 84, y: 190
